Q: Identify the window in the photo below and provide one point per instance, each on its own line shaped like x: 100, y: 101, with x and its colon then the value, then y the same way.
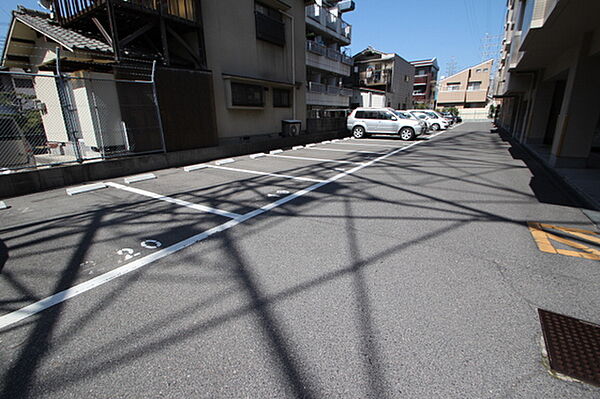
x: 269, y: 24
x: 453, y: 86
x: 281, y: 98
x: 478, y: 70
x: 485, y: 69
x: 472, y: 86
x: 406, y: 79
x: 246, y: 95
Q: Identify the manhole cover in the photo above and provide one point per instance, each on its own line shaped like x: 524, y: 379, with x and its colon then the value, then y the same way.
x: 573, y: 346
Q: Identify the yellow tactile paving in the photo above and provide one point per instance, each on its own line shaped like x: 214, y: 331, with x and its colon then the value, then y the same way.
x: 543, y: 239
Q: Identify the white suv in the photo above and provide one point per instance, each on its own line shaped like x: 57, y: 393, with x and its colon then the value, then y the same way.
x: 434, y: 120
x: 363, y: 121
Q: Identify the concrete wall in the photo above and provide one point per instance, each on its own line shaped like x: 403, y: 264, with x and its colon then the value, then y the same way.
x: 403, y: 81
x: 232, y: 48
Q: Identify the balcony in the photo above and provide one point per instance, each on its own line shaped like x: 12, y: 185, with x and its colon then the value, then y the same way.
x: 70, y: 10
x: 324, y: 21
x: 316, y: 48
x: 325, y: 59
x: 320, y: 94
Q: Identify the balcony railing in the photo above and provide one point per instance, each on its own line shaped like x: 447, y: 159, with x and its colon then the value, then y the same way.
x: 333, y: 54
x: 69, y: 10
x: 328, y: 20
x: 347, y: 60
x: 315, y: 47
x: 316, y: 87
x: 333, y: 90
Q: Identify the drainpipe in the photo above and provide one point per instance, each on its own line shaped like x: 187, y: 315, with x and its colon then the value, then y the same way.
x: 293, y: 63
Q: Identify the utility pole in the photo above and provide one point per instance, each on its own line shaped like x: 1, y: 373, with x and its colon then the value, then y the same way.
x: 451, y: 66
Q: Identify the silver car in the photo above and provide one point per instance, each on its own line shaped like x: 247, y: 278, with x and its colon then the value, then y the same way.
x: 364, y: 121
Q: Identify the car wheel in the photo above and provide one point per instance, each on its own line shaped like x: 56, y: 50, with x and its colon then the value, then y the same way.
x: 407, y: 133
x: 435, y: 127
x: 358, y: 132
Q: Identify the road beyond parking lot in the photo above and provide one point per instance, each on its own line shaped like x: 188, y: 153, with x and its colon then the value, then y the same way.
x: 357, y: 268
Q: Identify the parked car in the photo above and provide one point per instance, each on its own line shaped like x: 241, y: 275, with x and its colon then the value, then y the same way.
x: 408, y: 115
x: 449, y: 117
x: 435, y: 122
x: 15, y: 150
x: 365, y: 121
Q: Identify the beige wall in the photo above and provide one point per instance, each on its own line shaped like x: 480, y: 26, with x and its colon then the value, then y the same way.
x: 463, y: 78
x: 232, y: 48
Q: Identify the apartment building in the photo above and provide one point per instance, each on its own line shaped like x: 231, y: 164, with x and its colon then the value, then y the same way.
x: 327, y: 61
x: 548, y: 80
x: 229, y: 71
x: 384, y: 72
x: 426, y: 76
x: 468, y: 88
x: 255, y: 51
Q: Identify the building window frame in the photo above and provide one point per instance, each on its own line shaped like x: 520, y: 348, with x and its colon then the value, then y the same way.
x: 282, y: 98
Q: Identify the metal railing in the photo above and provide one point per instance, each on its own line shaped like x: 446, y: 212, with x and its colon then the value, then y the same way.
x: 58, y: 118
x: 345, y: 92
x: 69, y: 10
x: 333, y: 90
x: 333, y: 54
x: 315, y: 47
x: 316, y: 87
x: 347, y: 60
x: 328, y: 20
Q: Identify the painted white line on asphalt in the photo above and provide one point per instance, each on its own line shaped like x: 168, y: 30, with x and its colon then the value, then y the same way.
x: 276, y: 152
x: 85, y: 188
x: 3, y: 205
x: 326, y: 142
x: 224, y: 161
x: 256, y: 172
x: 315, y: 159
x: 339, y: 150
x: 310, y: 145
x: 259, y: 155
x: 136, y: 178
x: 43, y: 304
x: 176, y: 201
x: 195, y: 167
x: 372, y: 144
x: 297, y: 147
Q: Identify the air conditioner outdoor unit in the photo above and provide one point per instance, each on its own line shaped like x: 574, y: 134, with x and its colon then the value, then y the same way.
x: 290, y: 127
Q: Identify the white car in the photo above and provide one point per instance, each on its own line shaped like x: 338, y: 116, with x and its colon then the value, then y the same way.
x: 364, y: 121
x: 434, y: 120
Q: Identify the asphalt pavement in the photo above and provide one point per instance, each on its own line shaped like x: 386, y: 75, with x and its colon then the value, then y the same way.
x: 369, y: 268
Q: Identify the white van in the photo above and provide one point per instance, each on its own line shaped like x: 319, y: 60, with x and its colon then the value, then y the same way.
x: 364, y: 121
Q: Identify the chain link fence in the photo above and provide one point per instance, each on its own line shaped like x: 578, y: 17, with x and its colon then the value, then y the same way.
x: 51, y: 118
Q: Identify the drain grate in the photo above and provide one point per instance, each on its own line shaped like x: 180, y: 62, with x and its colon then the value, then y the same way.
x: 573, y: 346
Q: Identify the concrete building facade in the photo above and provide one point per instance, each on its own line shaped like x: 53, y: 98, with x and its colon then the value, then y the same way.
x: 426, y: 76
x: 548, y: 80
x: 386, y: 72
x: 468, y: 88
x: 327, y: 61
x: 256, y: 53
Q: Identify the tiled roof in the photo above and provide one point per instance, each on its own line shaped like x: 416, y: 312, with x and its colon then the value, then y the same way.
x: 71, y: 39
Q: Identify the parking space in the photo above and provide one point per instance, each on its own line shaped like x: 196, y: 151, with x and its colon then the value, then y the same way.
x: 58, y: 241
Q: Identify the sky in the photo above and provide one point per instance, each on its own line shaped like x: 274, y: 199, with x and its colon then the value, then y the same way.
x: 414, y: 29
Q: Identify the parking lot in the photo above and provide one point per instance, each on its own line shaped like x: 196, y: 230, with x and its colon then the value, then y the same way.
x: 349, y: 268
x: 144, y: 221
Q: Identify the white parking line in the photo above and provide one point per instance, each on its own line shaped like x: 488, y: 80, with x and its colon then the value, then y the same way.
x: 43, y: 304
x: 315, y: 159
x: 338, y: 150
x: 255, y: 172
x: 372, y: 145
x: 176, y: 201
